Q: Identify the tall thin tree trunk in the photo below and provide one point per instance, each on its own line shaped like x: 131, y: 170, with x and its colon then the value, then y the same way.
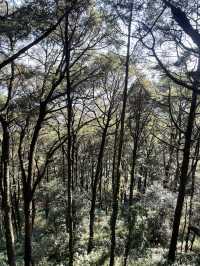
x: 130, y: 218
x: 6, y: 198
x: 28, y: 233
x: 183, y: 178
x: 120, y: 147
x: 114, y: 158
x: 69, y: 141
x: 184, y: 226
x: 95, y: 184
x: 27, y: 187
x: 194, y: 166
x: 63, y: 164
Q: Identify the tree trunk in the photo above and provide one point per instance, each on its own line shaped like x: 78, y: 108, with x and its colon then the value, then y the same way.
x: 184, y: 226
x: 5, y: 191
x: 114, y: 157
x: 183, y: 179
x: 119, y: 156
x: 69, y: 174
x: 95, y: 184
x: 194, y: 166
x: 69, y: 141
x: 28, y: 233
x: 130, y: 220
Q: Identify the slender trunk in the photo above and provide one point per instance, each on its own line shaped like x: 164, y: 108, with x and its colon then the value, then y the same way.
x: 184, y: 226
x: 63, y: 164
x: 82, y: 171
x: 191, y: 198
x: 28, y: 234
x: 69, y: 141
x: 94, y: 186
x: 46, y: 209
x: 177, y: 173
x: 6, y: 198
x: 76, y: 167
x: 69, y: 174
x: 114, y: 158
x: 14, y: 201
x: 169, y: 163
x: 10, y: 246
x: 33, y: 212
x: 130, y: 218
x: 27, y: 188
x: 119, y: 156
x: 92, y: 172
x: 19, y: 222
x: 183, y: 179
x: 73, y: 158
x: 100, y: 187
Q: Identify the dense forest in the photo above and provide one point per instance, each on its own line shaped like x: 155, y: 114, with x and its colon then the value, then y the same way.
x: 99, y: 132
